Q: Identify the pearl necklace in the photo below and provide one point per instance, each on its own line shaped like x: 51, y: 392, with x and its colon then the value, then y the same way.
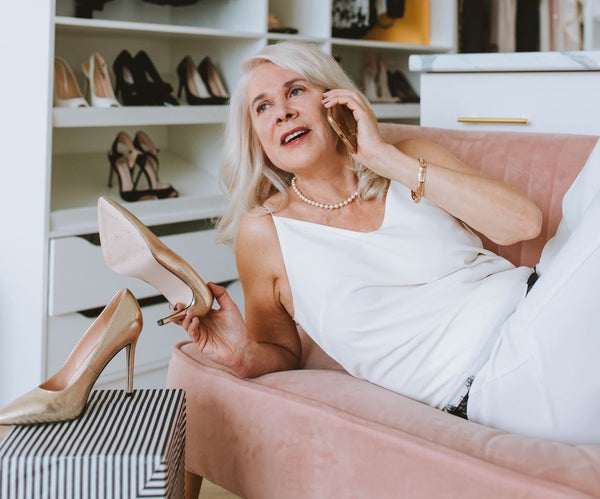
x: 334, y: 206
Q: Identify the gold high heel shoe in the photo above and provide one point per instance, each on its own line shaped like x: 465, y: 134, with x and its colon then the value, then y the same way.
x: 64, y: 395
x: 130, y: 248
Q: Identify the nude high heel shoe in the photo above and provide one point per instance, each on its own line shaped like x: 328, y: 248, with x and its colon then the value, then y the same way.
x: 64, y: 395
x: 66, y: 89
x: 98, y: 82
x: 130, y: 248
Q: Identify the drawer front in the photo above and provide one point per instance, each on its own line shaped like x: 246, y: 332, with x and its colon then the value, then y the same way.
x: 80, y: 279
x: 561, y: 102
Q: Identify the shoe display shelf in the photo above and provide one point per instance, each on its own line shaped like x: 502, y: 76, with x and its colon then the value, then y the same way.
x: 74, y: 277
x: 227, y: 32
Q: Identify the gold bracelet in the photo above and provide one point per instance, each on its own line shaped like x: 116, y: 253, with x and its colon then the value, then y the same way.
x: 416, y: 196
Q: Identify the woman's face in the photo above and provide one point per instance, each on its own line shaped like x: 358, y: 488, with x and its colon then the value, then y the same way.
x: 289, y: 119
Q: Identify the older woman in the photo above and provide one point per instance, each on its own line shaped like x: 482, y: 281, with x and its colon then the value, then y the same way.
x: 373, y: 254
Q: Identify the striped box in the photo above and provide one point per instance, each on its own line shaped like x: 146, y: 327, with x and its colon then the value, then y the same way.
x: 121, y: 447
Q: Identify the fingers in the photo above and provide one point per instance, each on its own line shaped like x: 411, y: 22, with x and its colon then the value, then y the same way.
x: 191, y: 324
x: 176, y: 308
x: 221, y: 295
x: 369, y: 137
x: 353, y: 100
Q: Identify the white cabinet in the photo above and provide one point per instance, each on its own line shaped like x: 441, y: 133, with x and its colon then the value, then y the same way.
x: 70, y: 147
x: 517, y: 101
x: 526, y: 92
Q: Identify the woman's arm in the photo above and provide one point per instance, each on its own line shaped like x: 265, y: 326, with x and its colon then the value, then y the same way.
x: 498, y: 210
x: 268, y: 317
x: 268, y: 340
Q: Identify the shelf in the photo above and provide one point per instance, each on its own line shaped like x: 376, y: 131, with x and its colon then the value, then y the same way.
x: 179, y: 115
x: 296, y: 38
x: 374, y: 44
x: 87, y: 26
x: 396, y: 111
x: 137, y: 116
x: 79, y: 179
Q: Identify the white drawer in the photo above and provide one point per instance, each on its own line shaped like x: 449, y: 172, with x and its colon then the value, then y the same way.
x: 563, y: 102
x: 80, y: 279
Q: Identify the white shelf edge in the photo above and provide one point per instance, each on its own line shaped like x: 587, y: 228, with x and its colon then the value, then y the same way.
x: 296, y: 38
x: 134, y: 116
x: 66, y: 23
x: 352, y: 42
x: 180, y: 115
x: 83, y: 220
x: 397, y: 111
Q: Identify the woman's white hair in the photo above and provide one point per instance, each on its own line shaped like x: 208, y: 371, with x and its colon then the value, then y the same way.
x: 246, y: 172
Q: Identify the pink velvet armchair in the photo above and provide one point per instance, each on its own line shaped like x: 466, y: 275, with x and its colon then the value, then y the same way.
x: 317, y: 432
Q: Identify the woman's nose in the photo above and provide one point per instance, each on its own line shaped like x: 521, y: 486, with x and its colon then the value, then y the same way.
x: 285, y: 113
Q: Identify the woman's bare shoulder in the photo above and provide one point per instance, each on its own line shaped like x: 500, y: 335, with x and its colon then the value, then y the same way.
x: 257, y: 234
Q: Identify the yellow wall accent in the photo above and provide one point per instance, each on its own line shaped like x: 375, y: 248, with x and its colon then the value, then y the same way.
x: 413, y: 28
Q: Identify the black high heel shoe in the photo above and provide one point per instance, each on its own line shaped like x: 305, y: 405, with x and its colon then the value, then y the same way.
x: 156, y: 86
x: 123, y: 165
x: 128, y: 87
x: 196, y: 92
x: 149, y: 164
x: 213, y: 81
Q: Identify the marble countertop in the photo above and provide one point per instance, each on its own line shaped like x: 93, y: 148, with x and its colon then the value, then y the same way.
x: 514, y: 61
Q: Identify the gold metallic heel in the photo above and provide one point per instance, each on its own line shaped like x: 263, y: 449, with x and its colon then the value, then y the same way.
x: 130, y: 248
x: 130, y: 354
x: 173, y: 317
x: 64, y: 395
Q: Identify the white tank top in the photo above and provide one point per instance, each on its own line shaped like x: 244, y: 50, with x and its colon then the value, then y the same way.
x: 413, y: 306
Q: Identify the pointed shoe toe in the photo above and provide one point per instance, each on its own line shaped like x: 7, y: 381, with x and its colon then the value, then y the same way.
x: 41, y: 406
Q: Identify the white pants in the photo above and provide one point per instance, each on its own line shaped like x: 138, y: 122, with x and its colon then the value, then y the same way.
x: 543, y: 377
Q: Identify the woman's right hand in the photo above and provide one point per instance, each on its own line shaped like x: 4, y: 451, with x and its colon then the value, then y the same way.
x: 221, y: 334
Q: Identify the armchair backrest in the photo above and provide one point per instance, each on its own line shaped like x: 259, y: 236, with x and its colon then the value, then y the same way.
x: 542, y: 165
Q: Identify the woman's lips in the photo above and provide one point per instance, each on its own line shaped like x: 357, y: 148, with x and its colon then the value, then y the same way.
x: 294, y: 135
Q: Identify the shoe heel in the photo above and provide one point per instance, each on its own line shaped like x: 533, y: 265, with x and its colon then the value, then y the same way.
x: 111, y: 171
x: 130, y: 354
x: 173, y: 317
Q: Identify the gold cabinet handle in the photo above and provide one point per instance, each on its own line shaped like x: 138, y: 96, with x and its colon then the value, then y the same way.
x: 514, y: 121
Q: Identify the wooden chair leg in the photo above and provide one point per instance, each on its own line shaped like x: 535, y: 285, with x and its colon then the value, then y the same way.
x: 192, y: 484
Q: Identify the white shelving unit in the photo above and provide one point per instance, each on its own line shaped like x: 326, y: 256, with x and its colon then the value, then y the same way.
x: 75, y: 169
x: 591, y: 25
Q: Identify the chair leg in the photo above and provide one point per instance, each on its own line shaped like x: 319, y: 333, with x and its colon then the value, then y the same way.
x: 192, y: 484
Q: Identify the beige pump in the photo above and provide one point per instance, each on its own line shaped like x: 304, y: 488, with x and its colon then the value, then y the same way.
x: 64, y: 395
x: 130, y: 248
x: 66, y: 89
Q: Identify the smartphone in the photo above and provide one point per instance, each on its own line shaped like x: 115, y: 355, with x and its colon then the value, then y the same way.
x: 343, y: 123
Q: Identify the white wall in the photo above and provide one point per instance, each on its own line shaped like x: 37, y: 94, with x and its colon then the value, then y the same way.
x: 26, y: 51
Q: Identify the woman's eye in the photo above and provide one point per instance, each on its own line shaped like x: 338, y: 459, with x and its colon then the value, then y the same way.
x: 261, y: 108
x: 296, y: 91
